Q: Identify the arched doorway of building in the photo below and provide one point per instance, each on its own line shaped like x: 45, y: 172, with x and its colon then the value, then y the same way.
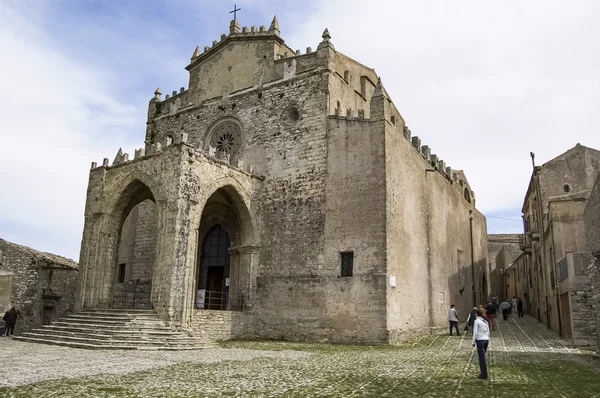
x: 136, y: 249
x: 225, y: 253
x: 213, y: 278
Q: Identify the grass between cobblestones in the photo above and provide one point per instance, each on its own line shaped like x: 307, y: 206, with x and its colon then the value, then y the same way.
x: 525, y: 361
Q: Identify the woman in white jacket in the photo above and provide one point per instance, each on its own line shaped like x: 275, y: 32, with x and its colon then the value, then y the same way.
x: 481, y: 338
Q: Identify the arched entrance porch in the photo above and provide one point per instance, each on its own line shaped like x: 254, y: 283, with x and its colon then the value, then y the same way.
x: 136, y: 248
x: 226, y: 253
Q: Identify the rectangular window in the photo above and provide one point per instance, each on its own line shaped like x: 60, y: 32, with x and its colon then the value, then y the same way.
x: 563, y: 270
x: 347, y: 263
x: 121, y: 273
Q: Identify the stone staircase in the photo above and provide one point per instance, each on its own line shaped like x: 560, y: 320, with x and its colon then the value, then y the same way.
x: 117, y: 329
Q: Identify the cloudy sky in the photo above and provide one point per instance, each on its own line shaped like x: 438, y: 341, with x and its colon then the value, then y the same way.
x: 482, y: 83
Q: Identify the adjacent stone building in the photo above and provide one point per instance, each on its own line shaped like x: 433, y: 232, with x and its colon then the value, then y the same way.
x: 558, y: 261
x: 592, y: 234
x: 503, y: 249
x: 287, y: 186
x: 41, y: 286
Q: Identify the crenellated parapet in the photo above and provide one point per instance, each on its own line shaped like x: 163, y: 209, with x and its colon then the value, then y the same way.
x: 156, y: 148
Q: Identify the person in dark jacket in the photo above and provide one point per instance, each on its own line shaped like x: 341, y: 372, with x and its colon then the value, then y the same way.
x: 520, y: 307
x: 471, y: 319
x: 491, y: 314
x: 11, y: 319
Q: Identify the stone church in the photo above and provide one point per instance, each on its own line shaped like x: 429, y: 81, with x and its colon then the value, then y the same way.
x: 284, y: 189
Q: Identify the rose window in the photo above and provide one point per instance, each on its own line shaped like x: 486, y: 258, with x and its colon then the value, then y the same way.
x: 225, y: 143
x: 226, y: 139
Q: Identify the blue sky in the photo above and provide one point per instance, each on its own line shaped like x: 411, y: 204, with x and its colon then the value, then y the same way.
x: 482, y: 84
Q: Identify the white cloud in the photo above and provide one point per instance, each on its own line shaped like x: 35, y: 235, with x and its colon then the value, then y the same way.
x: 57, y: 116
x: 482, y: 83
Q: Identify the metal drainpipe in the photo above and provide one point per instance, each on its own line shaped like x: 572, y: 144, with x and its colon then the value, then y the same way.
x: 472, y: 258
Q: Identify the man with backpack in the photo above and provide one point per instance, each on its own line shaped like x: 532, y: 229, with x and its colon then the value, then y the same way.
x: 491, y: 310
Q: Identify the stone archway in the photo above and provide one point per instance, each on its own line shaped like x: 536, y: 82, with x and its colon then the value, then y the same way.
x: 135, y: 217
x: 136, y: 253
x: 226, y: 253
x: 99, y: 258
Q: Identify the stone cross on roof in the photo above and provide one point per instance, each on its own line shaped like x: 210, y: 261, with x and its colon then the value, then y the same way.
x: 234, y: 12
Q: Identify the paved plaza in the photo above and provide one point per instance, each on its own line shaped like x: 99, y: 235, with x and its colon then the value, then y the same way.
x: 526, y: 360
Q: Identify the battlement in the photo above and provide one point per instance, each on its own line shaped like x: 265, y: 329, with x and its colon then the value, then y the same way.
x: 237, y: 33
x: 213, y: 154
x: 433, y: 161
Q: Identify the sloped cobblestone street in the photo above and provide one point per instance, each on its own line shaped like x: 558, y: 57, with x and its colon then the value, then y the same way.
x: 526, y: 360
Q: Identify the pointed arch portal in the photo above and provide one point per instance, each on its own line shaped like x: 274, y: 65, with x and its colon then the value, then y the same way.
x: 213, y: 280
x: 225, y: 252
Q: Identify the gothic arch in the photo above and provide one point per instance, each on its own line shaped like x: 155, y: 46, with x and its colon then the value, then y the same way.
x: 135, y: 189
x: 225, y: 206
x: 240, y: 201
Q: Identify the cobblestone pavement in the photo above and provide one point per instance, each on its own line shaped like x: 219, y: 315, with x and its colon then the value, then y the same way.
x: 525, y: 360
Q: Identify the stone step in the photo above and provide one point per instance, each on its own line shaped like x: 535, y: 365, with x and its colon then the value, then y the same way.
x: 111, y: 342
x: 122, y: 310
x: 165, y: 332
x: 111, y: 347
x: 113, y: 315
x: 119, y: 322
x: 114, y: 329
x: 124, y: 326
x: 114, y: 336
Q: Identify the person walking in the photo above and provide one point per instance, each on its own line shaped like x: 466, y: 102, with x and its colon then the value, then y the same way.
x: 491, y: 314
x: 520, y: 307
x: 505, y: 307
x: 453, y: 320
x: 11, y: 319
x: 483, y: 311
x: 514, y: 305
x: 471, y: 319
x: 481, y: 339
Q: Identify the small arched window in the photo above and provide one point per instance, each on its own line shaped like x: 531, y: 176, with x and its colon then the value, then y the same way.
x: 393, y: 120
x: 567, y: 188
x: 467, y: 195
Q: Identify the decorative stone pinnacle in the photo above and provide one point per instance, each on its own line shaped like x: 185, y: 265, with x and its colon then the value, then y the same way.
x: 326, y: 40
x: 274, y: 28
x: 157, y: 93
x: 196, y: 52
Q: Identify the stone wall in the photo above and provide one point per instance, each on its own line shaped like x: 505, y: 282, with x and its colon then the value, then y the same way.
x: 582, y: 312
x: 428, y: 241
x: 213, y: 326
x: 592, y: 233
x: 42, y: 284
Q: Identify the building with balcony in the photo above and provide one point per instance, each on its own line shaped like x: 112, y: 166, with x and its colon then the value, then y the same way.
x: 556, y: 261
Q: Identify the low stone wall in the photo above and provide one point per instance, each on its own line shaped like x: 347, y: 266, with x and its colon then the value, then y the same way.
x: 213, y: 325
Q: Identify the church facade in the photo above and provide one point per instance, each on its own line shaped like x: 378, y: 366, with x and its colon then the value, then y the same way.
x: 287, y: 188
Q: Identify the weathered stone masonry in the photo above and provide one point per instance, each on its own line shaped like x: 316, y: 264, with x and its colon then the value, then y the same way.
x: 300, y: 158
x: 592, y: 233
x: 40, y: 285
